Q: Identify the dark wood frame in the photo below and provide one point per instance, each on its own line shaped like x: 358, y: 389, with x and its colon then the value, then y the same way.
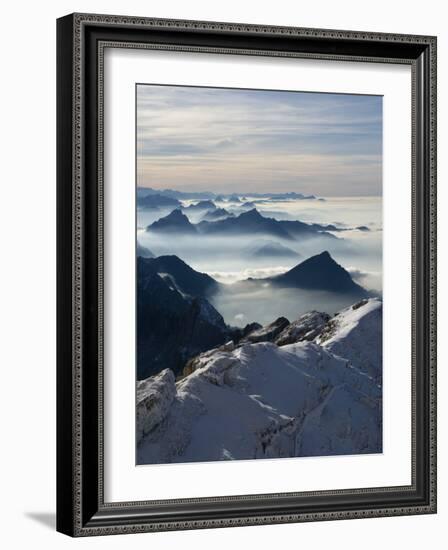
x: 81, y: 39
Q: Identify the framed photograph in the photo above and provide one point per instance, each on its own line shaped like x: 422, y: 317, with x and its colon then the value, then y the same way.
x: 246, y: 274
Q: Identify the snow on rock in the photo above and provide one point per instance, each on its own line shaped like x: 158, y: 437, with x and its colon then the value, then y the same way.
x: 202, y: 359
x: 307, y: 327
x: 154, y: 398
x: 356, y: 334
x: 267, y: 333
x: 209, y: 313
x: 262, y: 401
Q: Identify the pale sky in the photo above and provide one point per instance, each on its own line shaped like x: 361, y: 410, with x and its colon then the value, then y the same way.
x: 226, y: 140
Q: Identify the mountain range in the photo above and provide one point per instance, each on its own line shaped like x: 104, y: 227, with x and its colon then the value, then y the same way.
x: 143, y: 251
x: 246, y: 223
x: 236, y: 197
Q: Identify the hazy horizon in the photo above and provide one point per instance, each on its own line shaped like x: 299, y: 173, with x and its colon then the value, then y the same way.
x: 234, y: 140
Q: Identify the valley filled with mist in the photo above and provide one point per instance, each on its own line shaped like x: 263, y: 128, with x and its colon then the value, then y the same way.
x: 232, y: 256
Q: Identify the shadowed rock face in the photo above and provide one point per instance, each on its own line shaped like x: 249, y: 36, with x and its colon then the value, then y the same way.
x: 320, y: 272
x: 181, y: 276
x: 171, y: 327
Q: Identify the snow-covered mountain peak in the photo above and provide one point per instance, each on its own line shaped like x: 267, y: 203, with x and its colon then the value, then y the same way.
x: 261, y: 400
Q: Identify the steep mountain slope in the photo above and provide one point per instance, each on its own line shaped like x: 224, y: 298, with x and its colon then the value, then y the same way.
x: 319, y: 272
x: 171, y: 327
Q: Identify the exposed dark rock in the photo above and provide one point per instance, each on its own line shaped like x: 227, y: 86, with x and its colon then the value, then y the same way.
x: 320, y: 272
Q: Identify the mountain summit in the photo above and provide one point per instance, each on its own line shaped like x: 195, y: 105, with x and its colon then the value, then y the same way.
x: 176, y: 221
x: 320, y: 272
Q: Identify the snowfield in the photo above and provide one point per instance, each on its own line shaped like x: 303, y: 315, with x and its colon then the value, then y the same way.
x: 264, y: 400
x: 356, y: 334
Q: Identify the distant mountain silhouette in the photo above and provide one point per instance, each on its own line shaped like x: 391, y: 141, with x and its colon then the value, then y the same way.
x: 272, y: 249
x: 173, y: 193
x: 248, y: 223
x: 251, y: 222
x: 291, y: 196
x: 233, y: 197
x: 157, y: 201
x: 319, y: 272
x: 181, y: 276
x: 175, y: 222
x: 200, y: 206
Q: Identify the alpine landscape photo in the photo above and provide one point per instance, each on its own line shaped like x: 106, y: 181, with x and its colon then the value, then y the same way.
x: 258, y: 274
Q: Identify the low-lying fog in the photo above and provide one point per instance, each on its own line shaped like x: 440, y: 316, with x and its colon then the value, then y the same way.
x: 231, y: 259
x: 240, y: 304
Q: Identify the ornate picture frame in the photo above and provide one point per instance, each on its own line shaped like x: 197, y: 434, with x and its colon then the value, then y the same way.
x: 81, y: 506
